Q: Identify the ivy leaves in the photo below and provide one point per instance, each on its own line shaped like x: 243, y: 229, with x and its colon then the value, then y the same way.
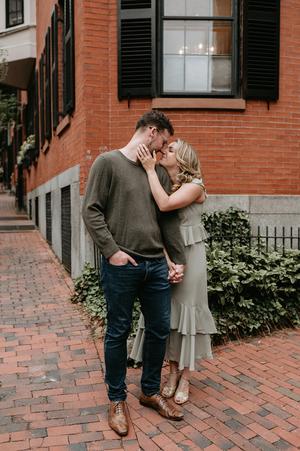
x: 252, y: 292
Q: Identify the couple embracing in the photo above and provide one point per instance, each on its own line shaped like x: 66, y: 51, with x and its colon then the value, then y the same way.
x: 146, y: 220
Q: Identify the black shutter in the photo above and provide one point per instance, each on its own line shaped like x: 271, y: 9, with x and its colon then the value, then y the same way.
x: 42, y: 100
x: 36, y: 116
x: 136, y: 38
x: 48, y: 131
x: 261, y: 49
x: 36, y: 211
x: 69, y: 69
x: 30, y: 209
x: 54, y: 66
x: 30, y: 106
x: 48, y: 218
x: 66, y: 232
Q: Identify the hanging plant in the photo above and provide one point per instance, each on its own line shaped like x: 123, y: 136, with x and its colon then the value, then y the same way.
x: 25, y: 152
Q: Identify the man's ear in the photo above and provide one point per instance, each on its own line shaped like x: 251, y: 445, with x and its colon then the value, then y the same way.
x: 150, y: 134
x: 152, y: 131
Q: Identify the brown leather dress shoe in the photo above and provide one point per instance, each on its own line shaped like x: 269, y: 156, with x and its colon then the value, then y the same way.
x: 162, y: 405
x: 117, y: 417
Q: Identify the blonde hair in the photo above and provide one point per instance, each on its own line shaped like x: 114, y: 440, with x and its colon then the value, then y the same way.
x: 188, y: 164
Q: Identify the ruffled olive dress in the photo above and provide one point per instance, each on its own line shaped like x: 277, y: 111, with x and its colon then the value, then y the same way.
x: 191, y: 320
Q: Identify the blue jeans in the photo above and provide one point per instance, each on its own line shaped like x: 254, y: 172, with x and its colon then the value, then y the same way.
x: 122, y: 285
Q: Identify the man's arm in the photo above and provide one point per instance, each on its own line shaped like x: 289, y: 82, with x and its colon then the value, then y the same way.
x: 94, y: 204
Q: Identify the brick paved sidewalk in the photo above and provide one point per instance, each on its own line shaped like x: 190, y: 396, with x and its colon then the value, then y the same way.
x: 52, y: 395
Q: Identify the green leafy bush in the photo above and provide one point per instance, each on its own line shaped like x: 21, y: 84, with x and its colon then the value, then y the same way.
x: 89, y: 293
x: 250, y: 291
x: 228, y: 227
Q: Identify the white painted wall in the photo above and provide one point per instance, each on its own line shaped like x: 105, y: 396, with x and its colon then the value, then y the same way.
x: 29, y: 16
x: 270, y: 213
x: 19, y: 41
x: 81, y: 245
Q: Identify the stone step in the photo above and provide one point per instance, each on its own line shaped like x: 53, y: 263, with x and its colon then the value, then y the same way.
x: 16, y: 226
x: 14, y: 218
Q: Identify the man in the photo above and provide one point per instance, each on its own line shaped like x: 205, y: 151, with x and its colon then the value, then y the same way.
x: 125, y: 223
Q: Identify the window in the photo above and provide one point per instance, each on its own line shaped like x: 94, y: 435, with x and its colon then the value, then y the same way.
x: 14, y: 13
x: 199, y: 47
x: 193, y: 48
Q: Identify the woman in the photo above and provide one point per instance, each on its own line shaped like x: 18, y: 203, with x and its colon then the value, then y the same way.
x: 191, y: 320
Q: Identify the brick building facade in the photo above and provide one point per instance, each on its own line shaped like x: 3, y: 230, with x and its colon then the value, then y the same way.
x: 248, y: 141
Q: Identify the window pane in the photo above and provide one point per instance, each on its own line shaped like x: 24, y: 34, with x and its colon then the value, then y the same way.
x: 222, y: 8
x: 173, y: 73
x: 197, y: 56
x: 197, y: 37
x: 174, y: 8
x: 221, y: 42
x: 198, y: 8
x: 15, y: 12
x: 221, y: 74
x: 197, y: 74
x: 174, y: 37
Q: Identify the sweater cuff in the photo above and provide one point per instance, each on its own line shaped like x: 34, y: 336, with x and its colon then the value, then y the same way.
x: 110, y: 249
x: 178, y: 259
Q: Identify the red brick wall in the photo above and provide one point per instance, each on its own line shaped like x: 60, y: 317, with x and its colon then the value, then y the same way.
x: 251, y: 152
x: 69, y: 148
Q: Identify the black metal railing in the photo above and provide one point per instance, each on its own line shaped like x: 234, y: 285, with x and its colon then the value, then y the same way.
x: 272, y: 239
x: 279, y: 239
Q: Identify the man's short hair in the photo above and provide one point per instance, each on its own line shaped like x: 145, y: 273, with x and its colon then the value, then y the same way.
x: 157, y: 119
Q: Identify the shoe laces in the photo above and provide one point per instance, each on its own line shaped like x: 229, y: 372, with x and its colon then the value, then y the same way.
x: 164, y: 403
x: 119, y: 407
x: 163, y: 400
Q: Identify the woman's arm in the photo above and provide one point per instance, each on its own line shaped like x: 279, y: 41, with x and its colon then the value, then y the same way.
x: 184, y: 196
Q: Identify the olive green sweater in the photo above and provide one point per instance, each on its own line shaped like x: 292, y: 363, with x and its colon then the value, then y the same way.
x: 120, y: 212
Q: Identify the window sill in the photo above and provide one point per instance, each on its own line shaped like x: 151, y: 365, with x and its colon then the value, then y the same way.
x: 63, y: 125
x: 14, y: 28
x: 206, y: 104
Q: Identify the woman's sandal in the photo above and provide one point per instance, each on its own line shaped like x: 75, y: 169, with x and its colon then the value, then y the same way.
x: 171, y: 385
x: 182, y: 392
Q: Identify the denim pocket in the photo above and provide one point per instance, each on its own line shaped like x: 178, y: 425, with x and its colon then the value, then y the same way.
x: 118, y: 266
